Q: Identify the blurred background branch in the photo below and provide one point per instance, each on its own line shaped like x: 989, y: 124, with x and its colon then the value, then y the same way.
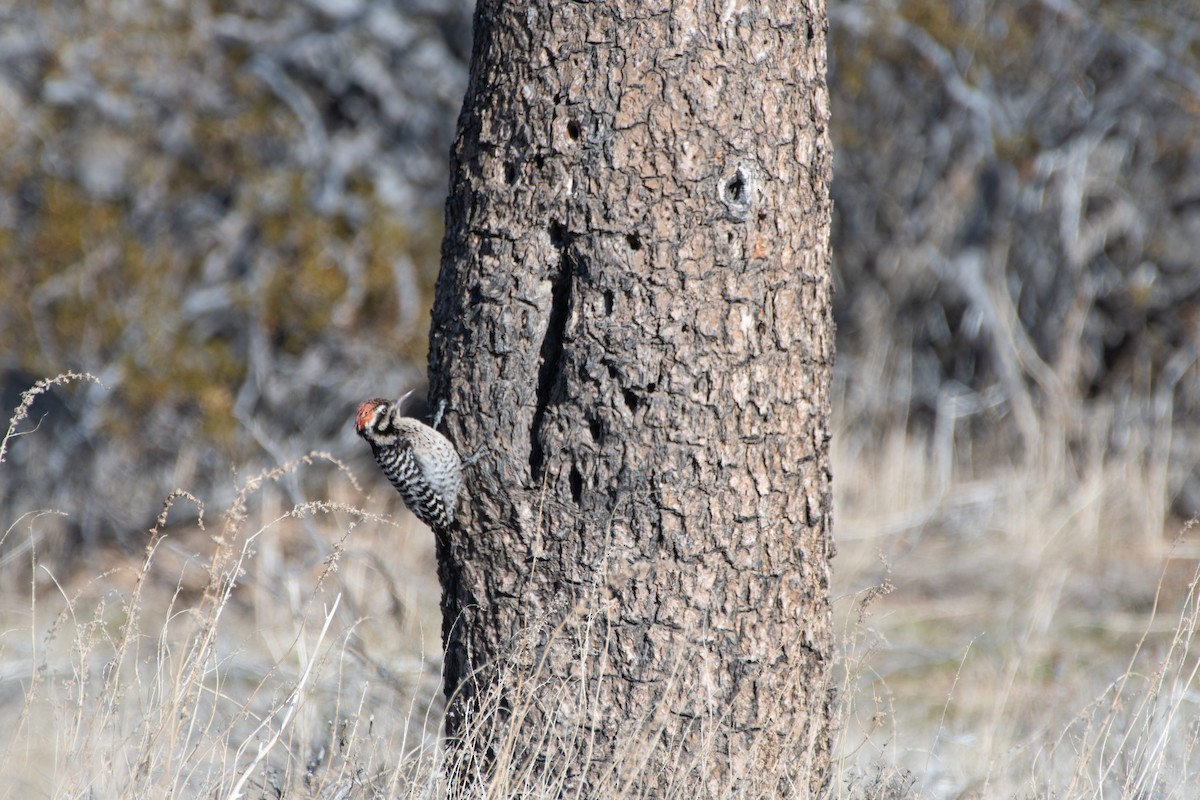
x: 231, y: 214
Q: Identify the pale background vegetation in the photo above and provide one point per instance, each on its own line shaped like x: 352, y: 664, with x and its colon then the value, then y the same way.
x: 228, y: 214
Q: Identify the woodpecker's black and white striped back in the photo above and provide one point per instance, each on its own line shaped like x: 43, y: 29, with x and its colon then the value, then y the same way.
x: 420, y: 462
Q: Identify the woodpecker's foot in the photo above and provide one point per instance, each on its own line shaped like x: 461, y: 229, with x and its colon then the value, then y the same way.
x: 471, y: 459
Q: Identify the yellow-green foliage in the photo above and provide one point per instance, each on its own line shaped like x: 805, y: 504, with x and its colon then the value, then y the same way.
x: 95, y: 282
x: 1002, y: 49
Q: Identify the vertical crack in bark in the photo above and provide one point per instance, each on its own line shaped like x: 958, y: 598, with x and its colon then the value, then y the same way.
x: 552, y: 347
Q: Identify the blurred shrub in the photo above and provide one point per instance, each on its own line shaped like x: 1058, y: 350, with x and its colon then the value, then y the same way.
x: 229, y: 210
x: 1017, y: 195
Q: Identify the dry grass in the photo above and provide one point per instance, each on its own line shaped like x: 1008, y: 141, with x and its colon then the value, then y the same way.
x: 291, y: 647
x: 1011, y: 627
x: 1016, y: 626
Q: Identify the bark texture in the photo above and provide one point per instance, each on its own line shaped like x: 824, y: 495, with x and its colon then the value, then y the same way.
x: 633, y: 316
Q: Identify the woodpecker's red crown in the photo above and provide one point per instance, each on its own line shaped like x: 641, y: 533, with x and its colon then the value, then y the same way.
x: 366, y: 414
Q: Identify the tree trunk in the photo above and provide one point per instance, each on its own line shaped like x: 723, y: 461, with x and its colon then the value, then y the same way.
x: 633, y: 317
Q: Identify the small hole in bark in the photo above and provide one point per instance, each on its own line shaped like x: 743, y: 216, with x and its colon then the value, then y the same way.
x: 510, y: 173
x: 736, y: 191
x: 634, y: 241
x: 576, y: 483
x: 735, y: 187
x: 612, y: 372
x: 608, y: 301
x: 596, y: 430
x: 632, y: 401
x: 651, y: 386
x: 539, y: 161
x: 573, y: 130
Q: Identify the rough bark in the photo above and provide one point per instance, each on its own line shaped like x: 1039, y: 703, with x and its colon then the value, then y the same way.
x: 633, y: 316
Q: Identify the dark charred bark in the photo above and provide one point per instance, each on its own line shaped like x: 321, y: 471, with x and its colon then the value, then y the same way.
x: 633, y: 316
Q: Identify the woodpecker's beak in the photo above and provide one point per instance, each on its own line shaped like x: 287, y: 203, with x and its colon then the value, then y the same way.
x: 400, y: 402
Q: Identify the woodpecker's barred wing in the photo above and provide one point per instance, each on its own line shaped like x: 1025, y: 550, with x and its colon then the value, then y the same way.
x: 442, y: 470
x: 401, y: 466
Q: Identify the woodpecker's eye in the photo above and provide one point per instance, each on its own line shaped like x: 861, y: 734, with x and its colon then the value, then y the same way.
x: 383, y: 419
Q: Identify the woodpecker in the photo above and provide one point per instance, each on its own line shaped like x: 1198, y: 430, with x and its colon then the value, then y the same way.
x: 420, y: 462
